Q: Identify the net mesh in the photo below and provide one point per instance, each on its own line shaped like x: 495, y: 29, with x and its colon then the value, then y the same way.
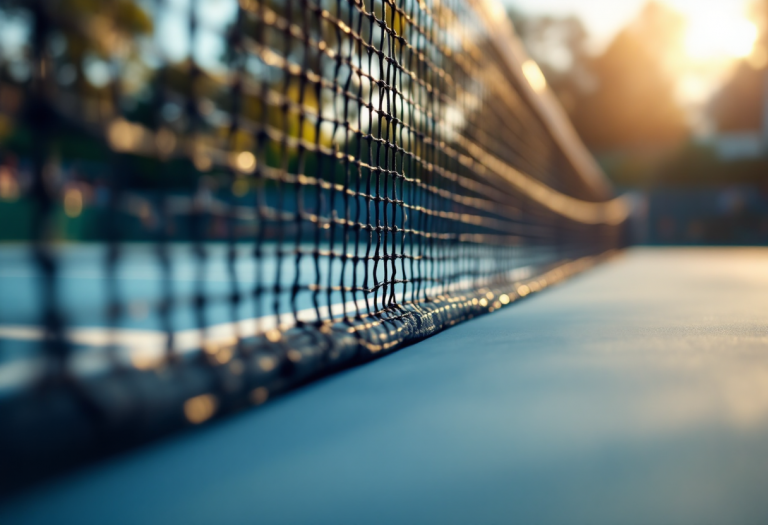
x: 257, y: 193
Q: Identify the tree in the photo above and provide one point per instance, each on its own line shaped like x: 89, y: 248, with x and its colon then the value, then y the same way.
x: 738, y: 106
x: 624, y: 98
x: 633, y: 103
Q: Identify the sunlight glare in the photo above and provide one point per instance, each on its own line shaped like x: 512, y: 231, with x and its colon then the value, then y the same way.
x: 534, y: 76
x: 712, y: 36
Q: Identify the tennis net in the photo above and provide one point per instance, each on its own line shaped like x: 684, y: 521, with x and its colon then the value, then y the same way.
x: 214, y: 201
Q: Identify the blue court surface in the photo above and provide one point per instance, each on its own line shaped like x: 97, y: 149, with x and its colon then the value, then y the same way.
x: 636, y: 393
x: 138, y: 282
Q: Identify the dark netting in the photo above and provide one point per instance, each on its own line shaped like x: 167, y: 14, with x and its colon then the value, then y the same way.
x: 206, y: 202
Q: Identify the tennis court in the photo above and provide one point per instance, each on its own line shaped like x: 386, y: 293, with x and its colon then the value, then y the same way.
x: 343, y: 261
x: 639, y: 404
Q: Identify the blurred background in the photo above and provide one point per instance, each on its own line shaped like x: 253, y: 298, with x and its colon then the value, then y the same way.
x: 670, y: 96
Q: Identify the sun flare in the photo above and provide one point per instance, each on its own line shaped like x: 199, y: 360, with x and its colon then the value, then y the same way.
x: 710, y: 36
